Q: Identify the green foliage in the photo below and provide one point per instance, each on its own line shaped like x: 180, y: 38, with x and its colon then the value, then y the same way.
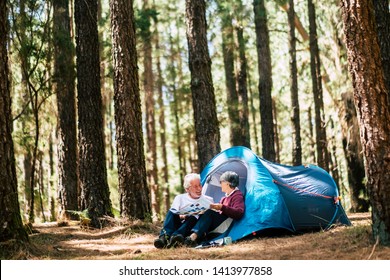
x: 143, y: 22
x: 81, y: 214
x: 281, y: 2
x: 31, y: 81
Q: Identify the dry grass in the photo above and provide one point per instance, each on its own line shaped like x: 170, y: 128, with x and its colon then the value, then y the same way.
x: 134, y: 240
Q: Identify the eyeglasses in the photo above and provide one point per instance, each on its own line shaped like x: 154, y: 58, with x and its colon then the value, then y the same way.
x: 195, y: 186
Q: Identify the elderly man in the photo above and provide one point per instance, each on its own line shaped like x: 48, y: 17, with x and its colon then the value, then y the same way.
x: 176, y: 225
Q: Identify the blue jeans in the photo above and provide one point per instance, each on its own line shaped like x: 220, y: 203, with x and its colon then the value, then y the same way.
x: 173, y: 225
x: 207, y: 222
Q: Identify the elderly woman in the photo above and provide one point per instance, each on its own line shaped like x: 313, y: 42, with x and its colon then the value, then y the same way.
x: 177, y: 226
x: 231, y: 206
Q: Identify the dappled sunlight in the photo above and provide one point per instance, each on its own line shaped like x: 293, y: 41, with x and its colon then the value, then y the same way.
x: 109, y: 244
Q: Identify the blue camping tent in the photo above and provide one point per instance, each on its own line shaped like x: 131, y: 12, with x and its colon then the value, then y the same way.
x: 295, y: 198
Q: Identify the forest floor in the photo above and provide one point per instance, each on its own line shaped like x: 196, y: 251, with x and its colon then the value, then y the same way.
x: 135, y: 241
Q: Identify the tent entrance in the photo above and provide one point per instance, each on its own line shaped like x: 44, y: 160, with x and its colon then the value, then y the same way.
x: 212, y: 187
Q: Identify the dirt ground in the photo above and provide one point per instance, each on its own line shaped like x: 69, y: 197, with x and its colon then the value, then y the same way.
x: 135, y: 241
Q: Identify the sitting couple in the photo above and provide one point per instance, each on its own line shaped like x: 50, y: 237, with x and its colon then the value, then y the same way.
x: 192, y: 229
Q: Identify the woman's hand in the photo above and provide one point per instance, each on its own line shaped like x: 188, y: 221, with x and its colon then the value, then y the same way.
x: 216, y: 206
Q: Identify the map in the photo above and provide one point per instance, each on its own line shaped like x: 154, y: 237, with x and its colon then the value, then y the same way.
x: 194, y: 208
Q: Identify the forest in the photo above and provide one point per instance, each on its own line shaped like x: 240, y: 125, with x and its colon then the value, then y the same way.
x: 105, y: 105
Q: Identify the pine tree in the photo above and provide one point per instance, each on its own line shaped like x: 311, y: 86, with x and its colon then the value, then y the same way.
x: 64, y: 81
x: 10, y: 219
x: 203, y: 98
x: 95, y: 194
x: 295, y: 119
x: 134, y: 192
x: 265, y: 82
x: 371, y: 101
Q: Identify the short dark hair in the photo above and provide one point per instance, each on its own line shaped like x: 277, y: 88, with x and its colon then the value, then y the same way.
x: 231, y: 177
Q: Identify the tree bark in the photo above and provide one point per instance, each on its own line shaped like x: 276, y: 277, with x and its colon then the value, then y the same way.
x: 353, y: 154
x: 11, y: 226
x: 175, y: 107
x: 371, y: 101
x: 95, y: 194
x: 276, y: 131
x: 242, y: 90
x: 64, y: 87
x: 382, y: 18
x: 161, y: 121
x: 315, y: 65
x: 295, y: 119
x: 253, y: 113
x: 148, y: 82
x: 265, y: 82
x: 230, y: 77
x: 311, y: 136
x: 298, y: 25
x: 134, y: 192
x: 203, y: 98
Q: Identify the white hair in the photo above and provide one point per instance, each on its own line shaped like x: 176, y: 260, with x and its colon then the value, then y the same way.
x: 188, y: 178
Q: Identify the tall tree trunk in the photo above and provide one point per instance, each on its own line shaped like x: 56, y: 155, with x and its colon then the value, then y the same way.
x: 315, y: 65
x: 333, y: 161
x: 298, y: 25
x: 27, y: 178
x: 52, y: 193
x: 265, y: 83
x: 161, y: 121
x: 353, y: 154
x: 295, y: 119
x: 95, y: 194
x: 35, y: 110
x: 230, y: 78
x: 148, y: 81
x: 185, y: 111
x: 192, y: 158
x: 10, y: 219
x: 276, y: 131
x: 311, y: 135
x: 371, y: 101
x: 41, y: 184
x: 382, y: 18
x: 111, y: 133
x: 242, y: 90
x: 253, y: 113
x: 134, y: 192
x: 105, y: 93
x: 64, y: 86
x: 175, y: 107
x: 203, y: 98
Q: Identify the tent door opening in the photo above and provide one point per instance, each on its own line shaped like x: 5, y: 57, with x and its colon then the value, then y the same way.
x: 212, y: 187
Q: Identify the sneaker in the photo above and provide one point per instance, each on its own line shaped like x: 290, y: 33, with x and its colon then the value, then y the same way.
x: 176, y: 240
x: 161, y: 242
x: 189, y: 242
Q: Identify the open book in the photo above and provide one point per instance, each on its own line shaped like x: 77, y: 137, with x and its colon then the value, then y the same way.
x: 193, y: 208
